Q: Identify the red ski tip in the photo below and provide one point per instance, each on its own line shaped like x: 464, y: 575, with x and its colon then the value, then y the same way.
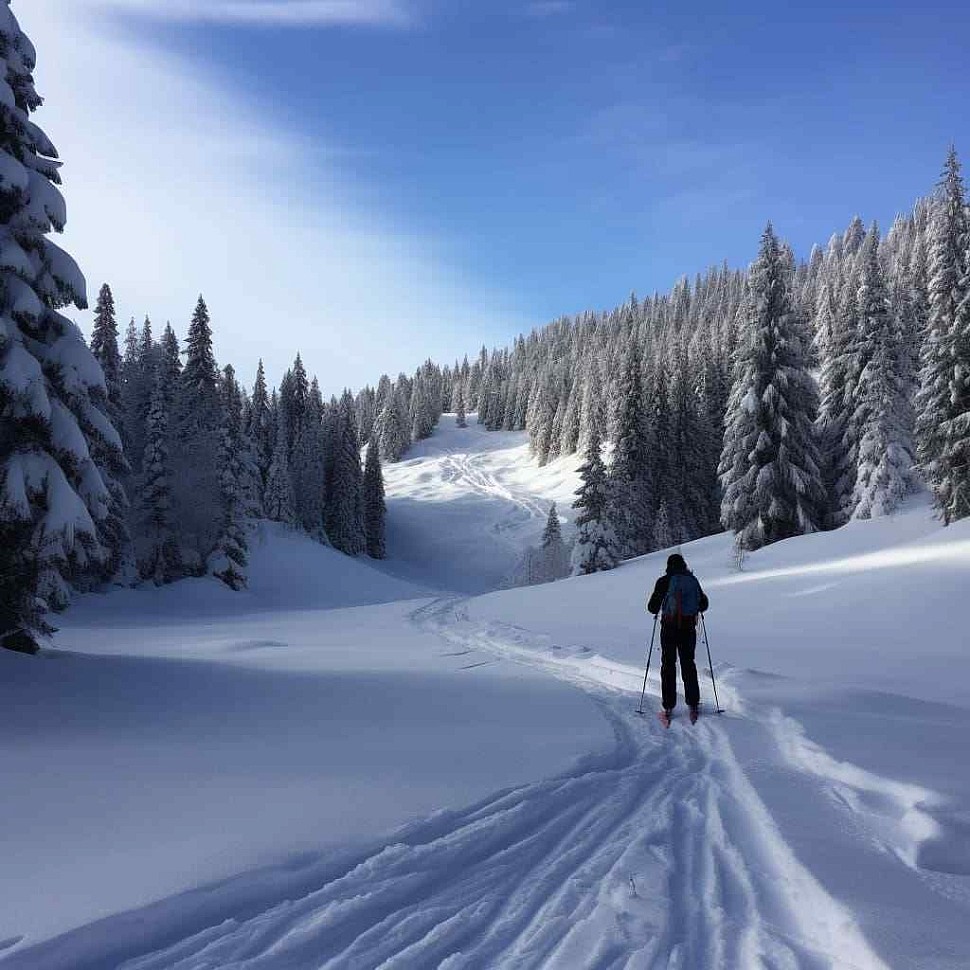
x: 664, y: 717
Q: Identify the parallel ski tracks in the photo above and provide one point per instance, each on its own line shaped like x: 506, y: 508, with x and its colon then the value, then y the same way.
x: 656, y: 854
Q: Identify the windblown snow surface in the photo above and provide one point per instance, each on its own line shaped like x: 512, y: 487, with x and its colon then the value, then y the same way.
x: 352, y: 767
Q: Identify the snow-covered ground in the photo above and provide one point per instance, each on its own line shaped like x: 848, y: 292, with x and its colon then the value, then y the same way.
x: 465, y: 503
x: 218, y: 778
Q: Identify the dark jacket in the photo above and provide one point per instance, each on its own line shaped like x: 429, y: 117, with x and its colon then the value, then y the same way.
x: 660, y: 592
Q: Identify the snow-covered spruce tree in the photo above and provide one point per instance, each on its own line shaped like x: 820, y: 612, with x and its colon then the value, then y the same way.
x: 542, y: 414
x: 157, y: 546
x: 138, y: 372
x: 278, y: 498
x: 391, y: 430
x: 113, y: 530
x: 885, y: 454
x: 769, y: 463
x: 259, y: 425
x: 943, y: 401
x: 422, y: 420
x: 309, y: 469
x: 595, y: 547
x: 555, y: 560
x: 375, y: 507
x: 366, y: 412
x: 228, y: 560
x: 52, y: 391
x: 104, y: 346
x: 169, y: 364
x: 461, y: 420
x: 590, y: 415
x: 569, y: 437
x: 345, y: 513
x: 631, y: 479
x: 195, y: 444
x: 294, y: 397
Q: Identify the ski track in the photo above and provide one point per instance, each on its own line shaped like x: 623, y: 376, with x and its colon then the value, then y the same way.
x: 657, y: 855
x: 461, y: 470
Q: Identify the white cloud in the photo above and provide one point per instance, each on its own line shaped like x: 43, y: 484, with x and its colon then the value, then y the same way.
x: 279, y: 12
x: 175, y: 186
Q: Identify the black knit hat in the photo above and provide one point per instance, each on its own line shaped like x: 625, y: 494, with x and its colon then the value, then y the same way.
x: 676, y: 563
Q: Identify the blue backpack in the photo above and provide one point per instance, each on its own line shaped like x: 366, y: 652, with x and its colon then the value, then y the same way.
x: 683, y: 599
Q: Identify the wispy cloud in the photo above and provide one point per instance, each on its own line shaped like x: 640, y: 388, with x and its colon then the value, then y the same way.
x: 294, y: 13
x: 175, y: 184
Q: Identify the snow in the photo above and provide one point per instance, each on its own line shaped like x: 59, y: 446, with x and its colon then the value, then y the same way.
x: 218, y: 777
x: 464, y: 504
x: 191, y: 733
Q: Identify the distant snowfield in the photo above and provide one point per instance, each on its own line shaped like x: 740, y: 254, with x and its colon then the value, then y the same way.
x: 216, y: 776
x: 464, y: 504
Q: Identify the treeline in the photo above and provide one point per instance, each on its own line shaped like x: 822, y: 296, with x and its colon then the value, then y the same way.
x: 205, y: 457
x: 772, y: 403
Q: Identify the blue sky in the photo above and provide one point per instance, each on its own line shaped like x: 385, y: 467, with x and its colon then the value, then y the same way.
x: 537, y: 158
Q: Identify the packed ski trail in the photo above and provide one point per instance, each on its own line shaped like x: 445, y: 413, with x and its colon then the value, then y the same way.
x: 656, y: 855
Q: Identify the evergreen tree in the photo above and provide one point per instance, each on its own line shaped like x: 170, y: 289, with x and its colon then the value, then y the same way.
x: 294, y: 397
x: 769, y: 464
x: 228, y: 560
x: 461, y: 420
x: 158, y: 553
x: 885, y: 454
x: 169, y: 365
x: 345, y: 518
x: 113, y: 530
x: 422, y: 417
x: 631, y: 484
x: 390, y: 430
x: 104, y: 346
x: 590, y: 416
x: 52, y: 389
x: 943, y: 402
x: 310, y: 474
x: 555, y: 561
x: 278, y: 499
x: 595, y: 547
x: 259, y: 425
x: 196, y: 444
x: 375, y: 507
x: 569, y: 438
x: 139, y: 383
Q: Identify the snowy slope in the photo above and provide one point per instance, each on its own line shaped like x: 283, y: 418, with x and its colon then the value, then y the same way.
x: 187, y: 734
x: 823, y: 821
x: 465, y: 503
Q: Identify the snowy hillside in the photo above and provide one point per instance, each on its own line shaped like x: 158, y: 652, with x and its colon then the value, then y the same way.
x: 466, y: 502
x: 223, y: 777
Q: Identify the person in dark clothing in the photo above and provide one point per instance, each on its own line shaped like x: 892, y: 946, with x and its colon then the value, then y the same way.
x: 678, y: 597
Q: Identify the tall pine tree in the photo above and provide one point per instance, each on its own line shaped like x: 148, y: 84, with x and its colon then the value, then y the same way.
x: 943, y: 402
x: 52, y: 389
x: 595, y: 547
x: 375, y: 506
x: 885, y: 454
x: 770, y: 462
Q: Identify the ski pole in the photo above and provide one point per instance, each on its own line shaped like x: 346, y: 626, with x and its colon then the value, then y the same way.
x: 649, y: 655
x: 710, y: 663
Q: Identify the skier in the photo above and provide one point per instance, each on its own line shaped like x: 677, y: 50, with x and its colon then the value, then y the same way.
x: 679, y: 596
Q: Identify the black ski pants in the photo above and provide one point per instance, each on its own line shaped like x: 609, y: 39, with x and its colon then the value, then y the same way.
x: 678, y: 639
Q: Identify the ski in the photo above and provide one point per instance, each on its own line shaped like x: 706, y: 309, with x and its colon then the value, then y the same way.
x: 665, y: 718
x: 695, y: 713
